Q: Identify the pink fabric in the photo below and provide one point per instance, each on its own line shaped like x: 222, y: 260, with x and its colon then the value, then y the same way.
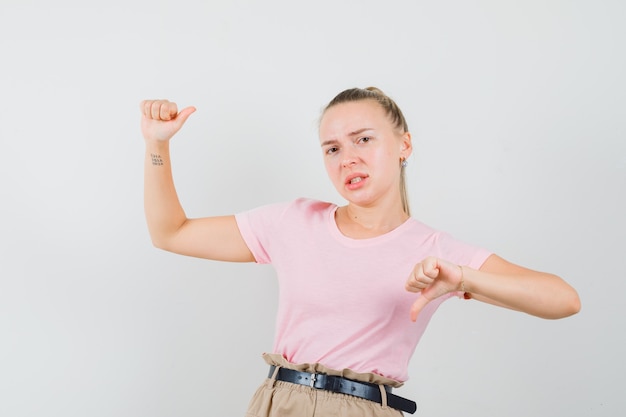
x: 342, y: 301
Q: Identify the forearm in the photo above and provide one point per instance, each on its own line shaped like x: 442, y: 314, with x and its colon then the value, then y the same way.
x: 536, y: 293
x: 164, y: 213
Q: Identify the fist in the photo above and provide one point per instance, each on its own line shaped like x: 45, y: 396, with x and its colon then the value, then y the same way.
x: 433, y: 277
x: 160, y: 119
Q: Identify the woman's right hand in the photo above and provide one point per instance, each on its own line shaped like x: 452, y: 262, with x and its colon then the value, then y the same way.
x: 160, y: 119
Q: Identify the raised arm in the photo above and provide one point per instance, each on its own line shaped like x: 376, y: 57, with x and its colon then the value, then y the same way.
x: 215, y: 238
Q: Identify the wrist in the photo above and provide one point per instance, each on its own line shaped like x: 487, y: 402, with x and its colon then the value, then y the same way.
x: 155, y: 145
x: 466, y: 294
x: 462, y: 279
x: 157, y: 153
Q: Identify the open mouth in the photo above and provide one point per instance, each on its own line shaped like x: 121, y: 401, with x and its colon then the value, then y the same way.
x: 356, y: 178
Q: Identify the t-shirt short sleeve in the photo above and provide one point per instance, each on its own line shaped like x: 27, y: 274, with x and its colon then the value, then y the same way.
x: 256, y: 228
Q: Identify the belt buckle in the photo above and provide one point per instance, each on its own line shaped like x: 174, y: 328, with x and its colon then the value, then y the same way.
x: 312, y: 381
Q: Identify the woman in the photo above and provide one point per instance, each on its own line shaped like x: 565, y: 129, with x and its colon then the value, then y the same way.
x: 358, y: 283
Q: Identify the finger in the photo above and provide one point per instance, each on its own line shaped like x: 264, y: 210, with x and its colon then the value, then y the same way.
x: 145, y: 107
x: 155, y: 109
x: 417, y: 306
x: 413, y: 282
x: 168, y: 111
x: 431, y: 267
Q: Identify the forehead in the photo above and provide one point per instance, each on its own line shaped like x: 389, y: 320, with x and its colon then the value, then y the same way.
x: 345, y: 118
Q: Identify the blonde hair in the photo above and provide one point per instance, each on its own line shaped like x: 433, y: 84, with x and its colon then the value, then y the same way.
x: 394, y: 113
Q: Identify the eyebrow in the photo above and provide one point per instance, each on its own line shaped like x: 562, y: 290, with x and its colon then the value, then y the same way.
x: 356, y: 132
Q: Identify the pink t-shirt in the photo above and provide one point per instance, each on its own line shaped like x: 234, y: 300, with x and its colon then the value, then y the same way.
x: 342, y: 301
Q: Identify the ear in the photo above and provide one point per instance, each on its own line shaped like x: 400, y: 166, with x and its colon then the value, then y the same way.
x: 406, y: 146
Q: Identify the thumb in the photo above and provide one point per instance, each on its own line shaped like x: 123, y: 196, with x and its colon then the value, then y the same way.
x: 182, y: 116
x: 418, y: 305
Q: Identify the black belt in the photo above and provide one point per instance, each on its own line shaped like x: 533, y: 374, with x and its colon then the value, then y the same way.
x: 344, y: 386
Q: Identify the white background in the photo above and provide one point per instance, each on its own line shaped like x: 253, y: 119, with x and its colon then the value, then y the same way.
x: 517, y: 109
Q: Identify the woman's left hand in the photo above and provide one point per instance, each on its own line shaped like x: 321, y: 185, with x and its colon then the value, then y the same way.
x: 433, y: 277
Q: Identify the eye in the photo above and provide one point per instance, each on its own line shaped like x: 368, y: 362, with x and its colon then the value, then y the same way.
x: 364, y: 139
x: 331, y: 150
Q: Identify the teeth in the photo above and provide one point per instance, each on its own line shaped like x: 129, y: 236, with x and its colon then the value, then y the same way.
x: 355, y: 180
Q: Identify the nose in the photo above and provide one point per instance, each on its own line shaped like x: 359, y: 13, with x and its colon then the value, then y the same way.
x: 347, y: 163
x: 349, y: 158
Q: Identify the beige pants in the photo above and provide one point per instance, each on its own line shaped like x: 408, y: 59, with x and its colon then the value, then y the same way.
x: 284, y: 399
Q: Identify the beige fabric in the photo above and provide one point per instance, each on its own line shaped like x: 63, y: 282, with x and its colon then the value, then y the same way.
x: 283, y: 399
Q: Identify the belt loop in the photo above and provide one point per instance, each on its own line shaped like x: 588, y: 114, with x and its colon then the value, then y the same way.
x: 383, y: 396
x: 272, y: 380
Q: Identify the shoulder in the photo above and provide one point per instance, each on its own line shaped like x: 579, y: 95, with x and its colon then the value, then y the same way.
x: 423, y: 232
x: 307, y: 211
x: 297, y: 207
x: 311, y: 205
x: 447, y: 246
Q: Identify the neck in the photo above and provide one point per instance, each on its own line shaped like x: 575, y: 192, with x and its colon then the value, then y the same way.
x: 364, y: 222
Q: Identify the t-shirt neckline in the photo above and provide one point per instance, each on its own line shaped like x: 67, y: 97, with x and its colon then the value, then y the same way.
x: 349, y: 241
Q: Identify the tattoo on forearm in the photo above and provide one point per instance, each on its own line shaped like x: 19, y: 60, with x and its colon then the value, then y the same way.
x: 156, y: 159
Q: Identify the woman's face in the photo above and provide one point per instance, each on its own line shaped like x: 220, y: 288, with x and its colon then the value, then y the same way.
x: 362, y: 152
